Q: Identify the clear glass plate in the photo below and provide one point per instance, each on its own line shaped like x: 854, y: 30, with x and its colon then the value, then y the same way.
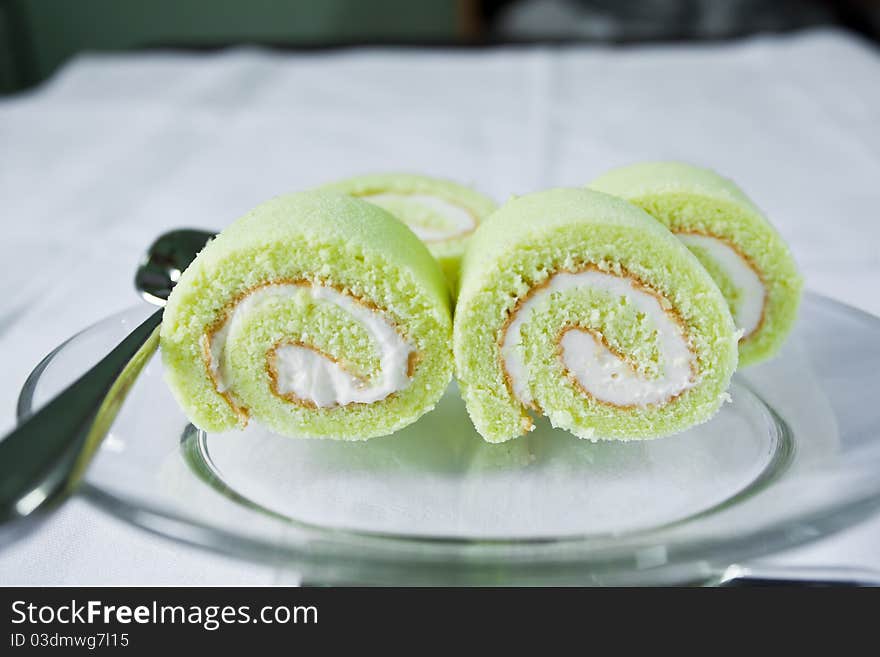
x: 794, y: 457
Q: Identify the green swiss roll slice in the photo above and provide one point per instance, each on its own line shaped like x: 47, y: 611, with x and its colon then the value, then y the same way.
x: 441, y: 212
x: 316, y: 314
x: 581, y: 306
x: 742, y: 251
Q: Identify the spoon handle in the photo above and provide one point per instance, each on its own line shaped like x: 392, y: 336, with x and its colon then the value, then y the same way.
x: 739, y: 576
x: 44, y: 458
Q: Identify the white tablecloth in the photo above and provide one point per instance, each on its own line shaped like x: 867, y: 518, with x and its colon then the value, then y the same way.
x: 116, y: 149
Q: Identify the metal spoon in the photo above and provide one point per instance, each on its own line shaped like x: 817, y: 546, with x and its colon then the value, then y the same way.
x: 44, y: 458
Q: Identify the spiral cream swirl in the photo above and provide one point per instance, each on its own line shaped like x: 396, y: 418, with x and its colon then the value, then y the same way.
x: 594, y: 367
x: 302, y: 373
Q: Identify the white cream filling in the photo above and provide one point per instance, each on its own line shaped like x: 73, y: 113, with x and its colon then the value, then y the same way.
x: 311, y: 376
x: 460, y: 220
x: 750, y: 309
x: 598, y: 370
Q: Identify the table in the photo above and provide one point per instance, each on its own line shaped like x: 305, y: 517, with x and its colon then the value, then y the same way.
x: 117, y: 148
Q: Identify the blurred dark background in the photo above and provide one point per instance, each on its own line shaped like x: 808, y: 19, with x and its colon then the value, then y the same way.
x: 38, y: 36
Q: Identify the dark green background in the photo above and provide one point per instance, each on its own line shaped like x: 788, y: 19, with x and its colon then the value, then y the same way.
x: 36, y: 36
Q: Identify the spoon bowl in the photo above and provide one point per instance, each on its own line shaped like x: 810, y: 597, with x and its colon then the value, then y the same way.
x: 165, y: 260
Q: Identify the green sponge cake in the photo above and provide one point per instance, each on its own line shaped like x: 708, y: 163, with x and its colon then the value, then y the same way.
x: 317, y: 314
x: 581, y: 306
x: 442, y: 213
x: 745, y: 255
